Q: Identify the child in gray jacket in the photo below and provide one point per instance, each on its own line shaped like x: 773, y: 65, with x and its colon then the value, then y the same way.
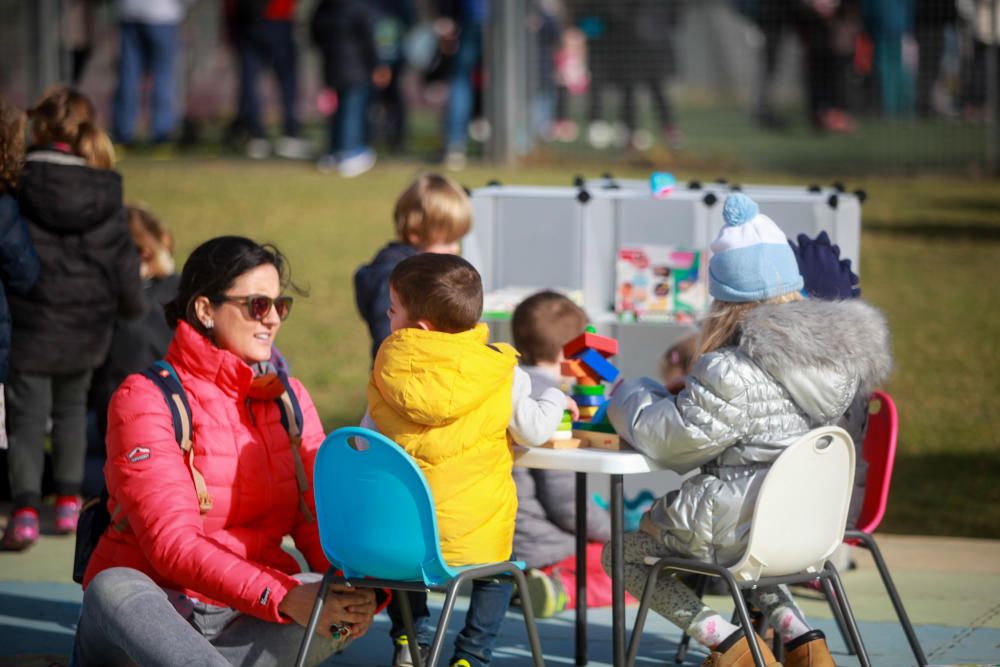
x: 545, y: 528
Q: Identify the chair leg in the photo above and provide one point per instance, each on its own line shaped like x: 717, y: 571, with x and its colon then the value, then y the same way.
x: 529, y: 617
x: 682, y: 647
x: 852, y: 626
x: 838, y: 615
x: 869, y: 543
x: 300, y: 660
x: 744, y: 615
x: 442, y: 628
x: 411, y: 633
x: 640, y: 617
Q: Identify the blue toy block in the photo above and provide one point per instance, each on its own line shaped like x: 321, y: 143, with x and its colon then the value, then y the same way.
x: 602, y: 413
x: 595, y: 362
x: 585, y: 401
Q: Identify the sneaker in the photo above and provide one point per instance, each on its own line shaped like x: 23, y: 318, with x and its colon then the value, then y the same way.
x: 454, y: 160
x: 356, y: 164
x: 600, y: 134
x: 401, y: 655
x: 67, y: 514
x: 461, y: 663
x: 258, y: 148
x: 293, y: 148
x: 22, y: 530
x: 327, y: 164
x: 548, y: 597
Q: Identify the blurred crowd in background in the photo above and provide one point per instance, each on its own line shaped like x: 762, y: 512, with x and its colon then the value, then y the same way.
x: 606, y: 73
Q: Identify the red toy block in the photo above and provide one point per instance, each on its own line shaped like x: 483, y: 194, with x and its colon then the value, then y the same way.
x: 608, y: 347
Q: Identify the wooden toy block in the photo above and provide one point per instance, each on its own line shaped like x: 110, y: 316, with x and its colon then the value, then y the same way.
x: 563, y: 433
x: 589, y: 382
x: 600, y: 440
x: 583, y: 373
x: 597, y: 364
x: 588, y: 389
x: 607, y: 347
x: 572, y: 443
x: 588, y: 410
x: 587, y: 401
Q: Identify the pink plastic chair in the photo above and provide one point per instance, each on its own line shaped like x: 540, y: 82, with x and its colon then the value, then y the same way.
x: 880, y: 453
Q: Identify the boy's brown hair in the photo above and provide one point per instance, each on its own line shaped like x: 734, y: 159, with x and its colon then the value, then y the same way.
x: 444, y: 290
x: 11, y: 145
x: 433, y: 208
x: 65, y: 116
x: 153, y: 239
x: 543, y: 323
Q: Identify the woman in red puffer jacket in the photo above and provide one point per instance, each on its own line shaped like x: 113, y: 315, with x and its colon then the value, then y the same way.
x: 199, y: 576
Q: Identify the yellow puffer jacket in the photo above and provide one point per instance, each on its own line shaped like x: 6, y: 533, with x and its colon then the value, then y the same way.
x: 446, y: 399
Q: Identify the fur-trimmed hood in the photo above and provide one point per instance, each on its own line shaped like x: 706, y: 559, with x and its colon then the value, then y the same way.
x: 822, y: 352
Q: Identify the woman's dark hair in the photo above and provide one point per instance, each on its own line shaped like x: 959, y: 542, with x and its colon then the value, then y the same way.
x: 212, y: 269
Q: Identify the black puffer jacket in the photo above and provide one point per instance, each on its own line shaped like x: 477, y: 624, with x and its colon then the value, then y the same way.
x: 371, y: 289
x: 18, y: 268
x: 89, y: 266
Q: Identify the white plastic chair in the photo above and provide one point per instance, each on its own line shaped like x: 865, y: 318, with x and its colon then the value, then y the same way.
x: 798, y: 522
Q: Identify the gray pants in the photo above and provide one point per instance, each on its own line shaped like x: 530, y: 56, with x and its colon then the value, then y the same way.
x: 127, y: 619
x: 31, y: 399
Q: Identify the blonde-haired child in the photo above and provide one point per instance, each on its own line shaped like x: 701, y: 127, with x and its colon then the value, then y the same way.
x: 431, y: 215
x: 72, y: 202
x: 771, y: 366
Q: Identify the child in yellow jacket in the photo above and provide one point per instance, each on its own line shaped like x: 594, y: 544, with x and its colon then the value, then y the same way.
x: 454, y: 403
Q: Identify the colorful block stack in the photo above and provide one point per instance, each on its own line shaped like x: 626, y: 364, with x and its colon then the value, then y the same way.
x: 586, y: 360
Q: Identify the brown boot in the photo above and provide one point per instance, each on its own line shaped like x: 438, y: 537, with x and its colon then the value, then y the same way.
x: 734, y: 651
x: 808, y: 650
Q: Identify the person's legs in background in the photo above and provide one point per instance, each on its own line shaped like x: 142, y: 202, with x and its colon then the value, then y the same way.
x: 69, y: 444
x: 131, y: 65
x: 487, y: 608
x: 29, y: 402
x: 248, y: 115
x: 349, y: 133
x: 459, y: 107
x: 284, y: 58
x: 163, y: 48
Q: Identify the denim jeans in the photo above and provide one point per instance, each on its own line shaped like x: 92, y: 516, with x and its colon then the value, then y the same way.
x: 349, y: 125
x: 487, y: 608
x: 267, y: 43
x: 459, y: 109
x: 152, y: 48
x: 127, y: 619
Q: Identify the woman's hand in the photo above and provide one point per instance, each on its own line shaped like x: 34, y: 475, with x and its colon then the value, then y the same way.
x: 344, y: 606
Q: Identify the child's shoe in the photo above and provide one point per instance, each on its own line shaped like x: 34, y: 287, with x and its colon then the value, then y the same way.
x: 22, y: 530
x: 735, y: 652
x: 401, y: 655
x: 461, y: 663
x: 809, y: 650
x: 548, y: 597
x: 67, y: 514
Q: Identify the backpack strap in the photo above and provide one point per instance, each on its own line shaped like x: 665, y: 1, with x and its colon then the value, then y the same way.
x: 291, y: 419
x: 165, y: 378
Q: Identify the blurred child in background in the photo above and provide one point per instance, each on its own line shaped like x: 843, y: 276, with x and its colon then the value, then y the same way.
x: 677, y: 361
x: 72, y: 201
x: 431, y: 215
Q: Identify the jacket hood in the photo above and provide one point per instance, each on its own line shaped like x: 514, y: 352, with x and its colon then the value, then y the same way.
x: 63, y: 195
x: 822, y: 352
x: 434, y: 378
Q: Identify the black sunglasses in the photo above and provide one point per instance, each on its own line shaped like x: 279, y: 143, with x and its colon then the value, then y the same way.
x: 258, y: 305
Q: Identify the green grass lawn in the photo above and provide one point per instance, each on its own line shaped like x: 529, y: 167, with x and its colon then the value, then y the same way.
x: 930, y: 247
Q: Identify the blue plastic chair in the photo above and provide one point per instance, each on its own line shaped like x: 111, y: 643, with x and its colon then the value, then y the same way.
x: 377, y: 526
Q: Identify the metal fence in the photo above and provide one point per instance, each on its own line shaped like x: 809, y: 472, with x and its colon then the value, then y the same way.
x: 823, y: 86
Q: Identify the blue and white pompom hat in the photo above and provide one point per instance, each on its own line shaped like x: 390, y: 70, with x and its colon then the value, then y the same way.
x: 751, y: 259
